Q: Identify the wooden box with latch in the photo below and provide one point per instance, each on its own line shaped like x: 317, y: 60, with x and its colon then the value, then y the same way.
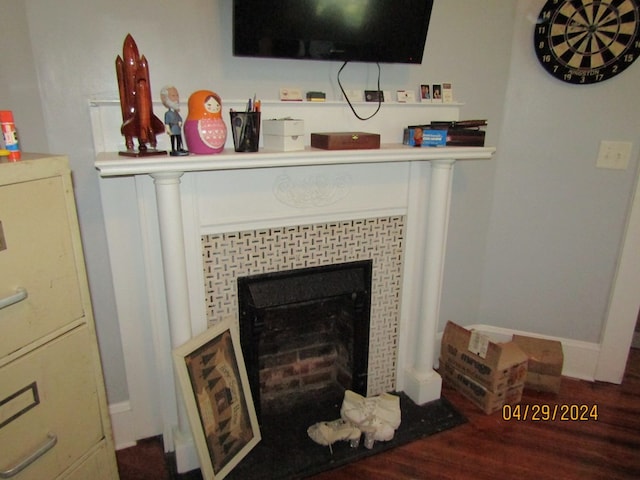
x: 345, y: 140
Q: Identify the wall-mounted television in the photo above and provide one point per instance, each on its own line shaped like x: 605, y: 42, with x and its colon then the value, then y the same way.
x: 383, y: 31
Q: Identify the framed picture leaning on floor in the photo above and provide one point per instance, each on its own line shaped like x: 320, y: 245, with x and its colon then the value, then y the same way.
x: 213, y: 380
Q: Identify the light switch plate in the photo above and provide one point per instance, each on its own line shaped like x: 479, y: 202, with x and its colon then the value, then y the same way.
x: 614, y: 155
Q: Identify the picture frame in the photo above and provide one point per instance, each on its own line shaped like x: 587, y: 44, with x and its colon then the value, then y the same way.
x: 425, y: 93
x: 447, y: 92
x: 406, y: 96
x: 215, y: 387
x: 436, y: 93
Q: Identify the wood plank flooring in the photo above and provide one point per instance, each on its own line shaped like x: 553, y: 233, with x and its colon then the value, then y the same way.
x: 490, y: 447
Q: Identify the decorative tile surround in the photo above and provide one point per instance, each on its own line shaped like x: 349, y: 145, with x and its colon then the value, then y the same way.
x: 228, y: 256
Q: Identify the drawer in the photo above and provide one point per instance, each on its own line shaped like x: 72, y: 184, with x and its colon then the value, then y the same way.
x: 98, y: 466
x: 49, y: 392
x: 36, y: 254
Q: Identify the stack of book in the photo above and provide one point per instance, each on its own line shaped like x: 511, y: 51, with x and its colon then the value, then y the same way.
x: 464, y: 133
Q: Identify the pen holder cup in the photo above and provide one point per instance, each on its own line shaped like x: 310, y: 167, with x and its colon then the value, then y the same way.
x: 245, y: 127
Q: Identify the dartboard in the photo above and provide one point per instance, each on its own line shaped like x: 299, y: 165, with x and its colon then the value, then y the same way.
x: 587, y: 41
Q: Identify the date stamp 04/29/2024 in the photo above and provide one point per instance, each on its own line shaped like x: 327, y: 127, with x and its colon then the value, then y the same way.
x: 549, y: 413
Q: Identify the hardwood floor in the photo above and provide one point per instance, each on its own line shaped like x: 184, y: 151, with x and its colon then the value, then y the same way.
x: 489, y: 447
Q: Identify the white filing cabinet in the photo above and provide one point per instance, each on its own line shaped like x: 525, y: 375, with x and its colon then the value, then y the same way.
x: 54, y: 422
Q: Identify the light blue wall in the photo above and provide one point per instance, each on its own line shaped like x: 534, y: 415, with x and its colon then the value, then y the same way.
x: 557, y: 220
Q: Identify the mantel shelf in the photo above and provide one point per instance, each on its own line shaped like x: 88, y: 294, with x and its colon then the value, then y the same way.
x: 112, y: 164
x: 270, y: 103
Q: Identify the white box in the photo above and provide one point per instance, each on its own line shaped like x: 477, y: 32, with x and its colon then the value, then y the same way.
x: 280, y: 143
x: 283, y: 126
x: 283, y: 135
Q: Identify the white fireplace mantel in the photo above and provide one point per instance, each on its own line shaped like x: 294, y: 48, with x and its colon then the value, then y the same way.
x: 158, y: 209
x: 420, y: 177
x: 112, y: 164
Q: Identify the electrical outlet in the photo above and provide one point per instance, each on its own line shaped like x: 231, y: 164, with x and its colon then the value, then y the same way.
x: 614, y: 155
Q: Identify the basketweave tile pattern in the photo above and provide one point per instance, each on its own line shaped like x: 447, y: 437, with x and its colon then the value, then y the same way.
x: 228, y: 256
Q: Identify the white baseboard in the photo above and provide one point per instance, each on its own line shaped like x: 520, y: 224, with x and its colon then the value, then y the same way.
x: 124, y: 436
x: 580, y: 358
x: 186, y: 453
x: 122, y: 425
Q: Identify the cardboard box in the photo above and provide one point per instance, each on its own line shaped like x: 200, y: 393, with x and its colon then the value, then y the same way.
x: 488, y: 401
x: 434, y: 138
x: 425, y: 136
x: 409, y: 136
x: 345, y: 140
x: 495, y: 366
x: 546, y: 358
x: 283, y: 135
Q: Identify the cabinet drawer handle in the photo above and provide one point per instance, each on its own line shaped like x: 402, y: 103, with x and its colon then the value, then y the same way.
x: 42, y: 449
x: 20, y: 295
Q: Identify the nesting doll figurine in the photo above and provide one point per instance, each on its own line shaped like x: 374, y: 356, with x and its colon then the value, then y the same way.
x: 204, y: 130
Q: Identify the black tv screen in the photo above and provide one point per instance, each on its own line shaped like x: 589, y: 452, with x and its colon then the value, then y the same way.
x: 385, y: 31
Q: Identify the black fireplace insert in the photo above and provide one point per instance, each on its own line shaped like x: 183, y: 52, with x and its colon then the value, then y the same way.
x: 305, y: 332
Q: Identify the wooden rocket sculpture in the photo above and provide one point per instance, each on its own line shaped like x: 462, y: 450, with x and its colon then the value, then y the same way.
x: 138, y: 119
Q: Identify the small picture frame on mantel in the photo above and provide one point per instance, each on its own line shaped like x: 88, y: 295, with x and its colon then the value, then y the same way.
x: 425, y: 93
x: 406, y: 96
x: 215, y: 388
x: 436, y: 93
x: 447, y: 93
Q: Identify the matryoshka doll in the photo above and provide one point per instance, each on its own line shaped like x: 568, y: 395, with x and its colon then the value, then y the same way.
x: 204, y: 130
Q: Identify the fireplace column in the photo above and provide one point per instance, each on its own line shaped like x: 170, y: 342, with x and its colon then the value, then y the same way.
x: 422, y: 383
x: 167, y: 186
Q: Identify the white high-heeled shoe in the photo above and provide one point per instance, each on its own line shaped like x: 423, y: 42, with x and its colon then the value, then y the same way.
x: 378, y: 417
x: 356, y: 408
x: 388, y: 409
x: 328, y: 433
x: 378, y: 430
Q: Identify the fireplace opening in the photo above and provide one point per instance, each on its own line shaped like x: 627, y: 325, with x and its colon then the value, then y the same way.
x: 305, y: 334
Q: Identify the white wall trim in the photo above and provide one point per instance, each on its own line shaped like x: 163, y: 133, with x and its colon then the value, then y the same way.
x: 122, y: 424
x: 619, y: 326
x: 580, y: 358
